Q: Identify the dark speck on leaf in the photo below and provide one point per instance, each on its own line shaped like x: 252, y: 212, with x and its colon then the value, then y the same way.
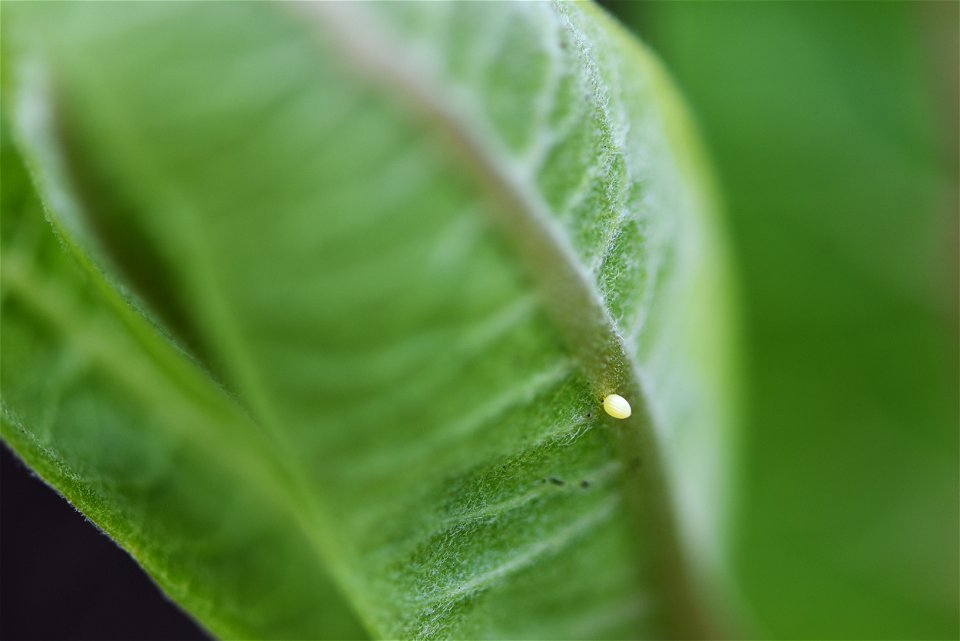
x: 556, y: 481
x: 584, y: 484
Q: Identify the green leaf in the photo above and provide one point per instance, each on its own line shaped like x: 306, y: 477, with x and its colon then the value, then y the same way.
x: 326, y: 300
x: 833, y: 125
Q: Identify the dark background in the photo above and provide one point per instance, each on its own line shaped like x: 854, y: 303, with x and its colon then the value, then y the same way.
x: 61, y: 578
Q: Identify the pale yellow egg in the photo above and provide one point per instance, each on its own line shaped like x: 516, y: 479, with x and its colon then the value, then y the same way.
x: 617, y: 406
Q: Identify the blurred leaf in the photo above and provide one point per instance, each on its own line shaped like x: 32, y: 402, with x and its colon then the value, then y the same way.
x: 833, y: 127
x: 329, y: 296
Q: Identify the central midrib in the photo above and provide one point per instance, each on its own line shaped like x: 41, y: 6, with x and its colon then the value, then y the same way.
x: 568, y: 294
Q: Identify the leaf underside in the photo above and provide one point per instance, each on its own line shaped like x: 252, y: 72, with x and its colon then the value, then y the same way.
x: 310, y: 307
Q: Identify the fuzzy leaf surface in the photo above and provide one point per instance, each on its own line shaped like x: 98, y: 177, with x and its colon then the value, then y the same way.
x: 311, y: 307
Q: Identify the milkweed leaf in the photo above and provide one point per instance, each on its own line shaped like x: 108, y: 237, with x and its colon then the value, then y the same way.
x: 315, y: 306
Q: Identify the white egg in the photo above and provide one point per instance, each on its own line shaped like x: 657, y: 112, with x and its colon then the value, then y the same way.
x: 617, y: 406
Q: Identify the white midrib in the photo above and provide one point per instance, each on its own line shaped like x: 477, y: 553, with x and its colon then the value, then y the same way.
x: 568, y: 292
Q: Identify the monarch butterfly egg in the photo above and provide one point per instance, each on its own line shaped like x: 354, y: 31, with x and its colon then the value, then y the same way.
x: 617, y: 406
